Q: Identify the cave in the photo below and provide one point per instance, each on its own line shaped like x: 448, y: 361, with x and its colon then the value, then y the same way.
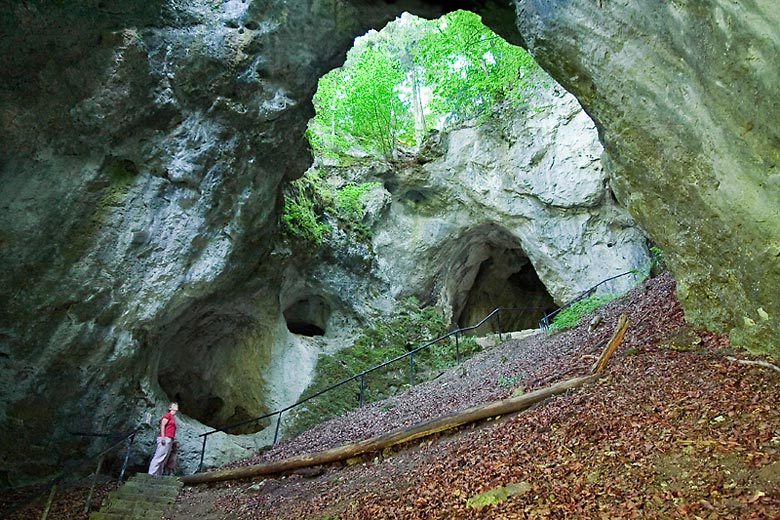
x: 490, y: 269
x: 512, y: 284
x: 307, y: 316
x: 208, y: 364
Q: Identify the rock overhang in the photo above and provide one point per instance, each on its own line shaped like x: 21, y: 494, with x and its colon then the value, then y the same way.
x: 723, y: 249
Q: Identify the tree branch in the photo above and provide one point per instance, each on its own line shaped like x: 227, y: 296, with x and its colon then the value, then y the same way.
x: 764, y: 364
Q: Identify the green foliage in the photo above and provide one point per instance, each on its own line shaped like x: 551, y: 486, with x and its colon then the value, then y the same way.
x: 507, y: 381
x: 657, y: 259
x: 350, y: 208
x: 384, y: 340
x: 358, y: 104
x: 571, y: 315
x: 470, y: 68
x: 305, y: 201
x: 411, y: 77
x: 348, y: 199
x: 310, y: 202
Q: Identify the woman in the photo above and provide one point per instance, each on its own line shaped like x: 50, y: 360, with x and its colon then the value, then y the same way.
x: 164, y: 440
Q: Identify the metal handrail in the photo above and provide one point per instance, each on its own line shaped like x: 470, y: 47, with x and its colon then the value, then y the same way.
x: 544, y: 325
x: 361, y: 375
x: 50, y: 486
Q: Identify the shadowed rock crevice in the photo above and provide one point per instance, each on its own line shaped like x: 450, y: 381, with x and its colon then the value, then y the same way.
x: 491, y: 270
x: 308, y: 316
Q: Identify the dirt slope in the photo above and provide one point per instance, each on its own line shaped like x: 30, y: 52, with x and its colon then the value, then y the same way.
x: 675, y: 430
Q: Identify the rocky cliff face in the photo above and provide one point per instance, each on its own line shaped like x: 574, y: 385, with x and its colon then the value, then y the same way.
x: 516, y: 212
x: 144, y: 143
x: 685, y: 96
x: 143, y: 147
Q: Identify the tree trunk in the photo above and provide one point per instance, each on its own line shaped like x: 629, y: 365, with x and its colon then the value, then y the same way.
x: 418, y: 109
x: 380, y: 442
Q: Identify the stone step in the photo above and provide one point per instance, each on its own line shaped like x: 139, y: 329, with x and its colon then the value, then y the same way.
x: 125, y: 506
x: 142, y: 497
x: 148, y: 515
x: 145, y: 488
x: 146, y: 496
x: 146, y: 479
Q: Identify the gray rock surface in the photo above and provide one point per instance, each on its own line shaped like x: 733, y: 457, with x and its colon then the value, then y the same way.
x: 143, y: 144
x: 685, y: 96
x: 524, y: 192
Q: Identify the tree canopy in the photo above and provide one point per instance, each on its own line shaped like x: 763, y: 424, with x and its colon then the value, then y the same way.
x: 411, y: 77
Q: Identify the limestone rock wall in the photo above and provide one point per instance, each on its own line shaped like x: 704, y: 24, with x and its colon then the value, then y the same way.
x: 528, y: 186
x: 142, y: 146
x: 685, y: 96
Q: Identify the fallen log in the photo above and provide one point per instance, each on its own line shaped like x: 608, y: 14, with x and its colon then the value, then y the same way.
x: 617, y: 337
x: 401, y: 435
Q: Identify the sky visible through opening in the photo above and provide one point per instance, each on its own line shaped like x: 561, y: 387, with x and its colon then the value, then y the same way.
x: 414, y: 76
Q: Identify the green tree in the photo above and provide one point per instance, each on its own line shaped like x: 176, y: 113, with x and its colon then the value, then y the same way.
x: 412, y: 76
x: 358, y: 104
x: 470, y: 68
x: 376, y: 114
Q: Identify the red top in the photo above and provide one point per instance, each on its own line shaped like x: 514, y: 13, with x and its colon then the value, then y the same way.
x: 170, y: 426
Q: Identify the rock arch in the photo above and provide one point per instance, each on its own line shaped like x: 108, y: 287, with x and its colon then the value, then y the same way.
x: 210, y: 105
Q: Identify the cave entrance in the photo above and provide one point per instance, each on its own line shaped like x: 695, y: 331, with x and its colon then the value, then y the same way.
x: 208, y: 363
x: 308, y: 316
x: 520, y: 292
x: 491, y: 271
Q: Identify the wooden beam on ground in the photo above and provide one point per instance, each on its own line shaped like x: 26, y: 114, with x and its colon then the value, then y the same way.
x: 617, y: 337
x: 401, y: 435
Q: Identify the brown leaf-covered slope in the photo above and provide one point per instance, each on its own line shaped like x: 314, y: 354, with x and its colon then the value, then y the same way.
x: 674, y: 430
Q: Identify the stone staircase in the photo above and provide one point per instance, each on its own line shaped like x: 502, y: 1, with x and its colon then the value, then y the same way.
x: 143, y: 497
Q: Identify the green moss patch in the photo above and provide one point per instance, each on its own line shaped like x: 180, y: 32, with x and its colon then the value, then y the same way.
x: 499, y: 494
x: 384, y: 340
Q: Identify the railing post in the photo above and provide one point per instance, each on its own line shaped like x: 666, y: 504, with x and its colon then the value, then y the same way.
x: 127, y: 456
x: 498, y: 317
x: 92, y: 487
x: 48, y: 502
x: 202, y: 452
x: 278, y: 422
x: 411, y: 369
x: 362, y: 387
x: 457, y: 347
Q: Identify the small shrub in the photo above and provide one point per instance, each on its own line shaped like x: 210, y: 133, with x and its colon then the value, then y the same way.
x: 571, y: 315
x: 657, y: 261
x: 305, y: 201
x: 310, y: 202
x: 349, y: 199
